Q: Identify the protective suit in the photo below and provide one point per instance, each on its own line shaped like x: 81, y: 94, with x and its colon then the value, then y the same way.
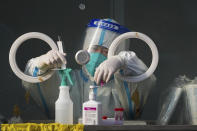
x: 114, y: 92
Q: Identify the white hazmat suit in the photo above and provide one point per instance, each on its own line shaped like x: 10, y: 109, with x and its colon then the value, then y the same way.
x: 114, y: 93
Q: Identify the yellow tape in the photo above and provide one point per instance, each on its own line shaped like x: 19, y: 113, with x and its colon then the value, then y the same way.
x: 41, y: 127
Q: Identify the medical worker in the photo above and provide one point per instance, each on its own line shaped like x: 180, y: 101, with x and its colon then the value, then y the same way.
x: 113, y: 94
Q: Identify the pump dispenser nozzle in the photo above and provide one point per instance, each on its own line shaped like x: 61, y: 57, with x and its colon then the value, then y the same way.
x: 92, y: 95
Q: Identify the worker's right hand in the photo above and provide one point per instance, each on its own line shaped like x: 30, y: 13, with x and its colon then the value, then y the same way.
x: 52, y: 59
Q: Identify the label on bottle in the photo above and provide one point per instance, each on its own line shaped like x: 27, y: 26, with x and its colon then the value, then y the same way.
x: 90, y: 115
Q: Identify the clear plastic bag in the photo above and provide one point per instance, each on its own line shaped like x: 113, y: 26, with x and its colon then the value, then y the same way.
x: 190, y: 97
x: 171, y: 110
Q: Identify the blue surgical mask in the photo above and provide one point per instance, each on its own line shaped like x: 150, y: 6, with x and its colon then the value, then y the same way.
x: 95, y: 60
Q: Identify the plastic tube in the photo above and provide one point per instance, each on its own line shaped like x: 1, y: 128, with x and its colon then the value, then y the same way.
x: 12, y: 56
x: 147, y: 40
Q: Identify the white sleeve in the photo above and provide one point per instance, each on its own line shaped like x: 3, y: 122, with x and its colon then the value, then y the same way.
x: 30, y: 67
x: 132, y: 64
x: 29, y: 70
x: 44, y: 93
x: 138, y: 92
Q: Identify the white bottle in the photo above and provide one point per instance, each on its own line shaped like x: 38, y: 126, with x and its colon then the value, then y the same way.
x: 92, y: 110
x: 64, y: 107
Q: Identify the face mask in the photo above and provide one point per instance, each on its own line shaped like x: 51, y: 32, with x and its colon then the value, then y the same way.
x: 95, y: 60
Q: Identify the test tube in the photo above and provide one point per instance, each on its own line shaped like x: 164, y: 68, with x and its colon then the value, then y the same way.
x: 118, y: 113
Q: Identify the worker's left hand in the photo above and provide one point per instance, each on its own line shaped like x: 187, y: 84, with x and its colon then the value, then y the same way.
x: 106, y: 69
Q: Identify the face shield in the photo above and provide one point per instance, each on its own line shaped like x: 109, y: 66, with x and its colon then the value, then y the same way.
x: 102, y: 32
x: 99, y: 32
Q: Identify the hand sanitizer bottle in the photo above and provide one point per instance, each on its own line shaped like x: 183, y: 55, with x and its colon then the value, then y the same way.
x: 64, y: 107
x: 92, y: 110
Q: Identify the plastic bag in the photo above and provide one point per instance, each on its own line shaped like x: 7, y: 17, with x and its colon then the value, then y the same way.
x: 171, y: 105
x: 190, y: 96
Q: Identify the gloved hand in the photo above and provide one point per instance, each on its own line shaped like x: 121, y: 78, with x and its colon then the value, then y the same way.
x: 52, y: 59
x: 106, y: 69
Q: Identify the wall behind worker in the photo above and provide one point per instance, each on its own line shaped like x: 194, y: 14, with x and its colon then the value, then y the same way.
x: 171, y: 24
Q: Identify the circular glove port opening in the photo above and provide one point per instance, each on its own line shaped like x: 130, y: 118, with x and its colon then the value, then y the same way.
x: 12, y: 56
x: 155, y: 56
